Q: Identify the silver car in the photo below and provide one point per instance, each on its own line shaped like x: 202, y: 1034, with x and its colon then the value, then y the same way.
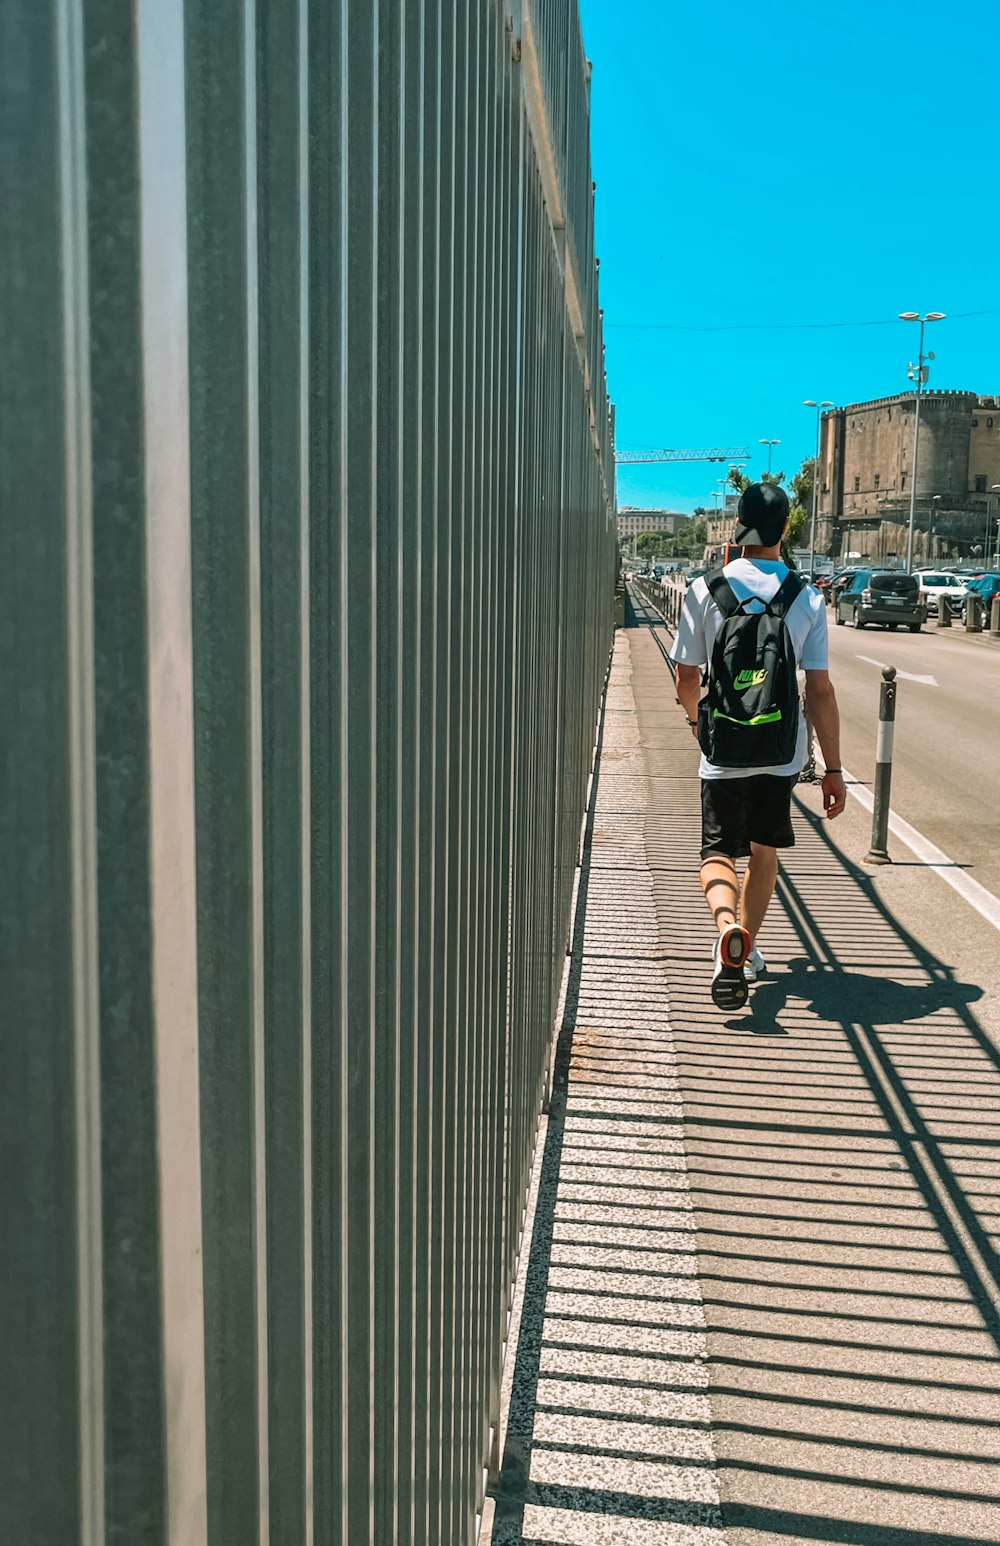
x: 935, y: 583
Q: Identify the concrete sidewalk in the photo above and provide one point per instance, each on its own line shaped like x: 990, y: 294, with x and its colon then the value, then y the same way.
x: 760, y: 1302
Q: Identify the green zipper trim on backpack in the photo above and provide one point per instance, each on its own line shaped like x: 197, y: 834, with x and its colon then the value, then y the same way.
x: 758, y: 719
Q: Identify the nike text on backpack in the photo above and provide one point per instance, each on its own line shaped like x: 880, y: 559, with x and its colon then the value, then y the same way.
x: 749, y: 717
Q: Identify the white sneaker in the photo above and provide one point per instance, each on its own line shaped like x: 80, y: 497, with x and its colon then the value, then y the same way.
x: 754, y: 966
x: 729, y: 956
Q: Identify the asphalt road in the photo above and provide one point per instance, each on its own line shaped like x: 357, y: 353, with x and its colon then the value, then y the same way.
x: 946, y: 767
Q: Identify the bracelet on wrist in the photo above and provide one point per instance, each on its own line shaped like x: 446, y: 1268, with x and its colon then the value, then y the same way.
x: 835, y: 770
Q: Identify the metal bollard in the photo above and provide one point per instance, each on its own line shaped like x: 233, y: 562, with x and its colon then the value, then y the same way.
x: 943, y: 612
x: 995, y: 618
x: 973, y: 613
x: 879, y: 853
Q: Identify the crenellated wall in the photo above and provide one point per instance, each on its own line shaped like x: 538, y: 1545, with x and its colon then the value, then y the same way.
x: 866, y: 458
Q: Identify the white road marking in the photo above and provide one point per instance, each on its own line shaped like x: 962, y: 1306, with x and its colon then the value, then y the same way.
x: 903, y: 676
x: 977, y: 896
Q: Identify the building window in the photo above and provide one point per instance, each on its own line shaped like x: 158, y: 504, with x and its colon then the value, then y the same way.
x: 981, y: 484
x: 878, y: 479
x: 975, y: 424
x: 902, y: 481
x: 857, y: 485
x: 989, y: 423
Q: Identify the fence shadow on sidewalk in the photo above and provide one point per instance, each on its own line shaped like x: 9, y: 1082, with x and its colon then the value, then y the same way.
x: 841, y: 1144
x: 844, y: 1153
x: 604, y: 1430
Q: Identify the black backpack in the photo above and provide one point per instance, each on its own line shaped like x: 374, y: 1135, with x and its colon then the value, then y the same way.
x: 749, y: 717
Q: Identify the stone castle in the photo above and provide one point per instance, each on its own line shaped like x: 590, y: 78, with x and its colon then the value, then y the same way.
x: 866, y: 457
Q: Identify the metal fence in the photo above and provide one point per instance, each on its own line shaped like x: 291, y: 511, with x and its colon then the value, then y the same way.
x: 306, y: 571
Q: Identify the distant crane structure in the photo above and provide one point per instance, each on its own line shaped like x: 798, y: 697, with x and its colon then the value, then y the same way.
x: 710, y: 454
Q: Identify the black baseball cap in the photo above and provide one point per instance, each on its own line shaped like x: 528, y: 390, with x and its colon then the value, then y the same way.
x: 761, y: 515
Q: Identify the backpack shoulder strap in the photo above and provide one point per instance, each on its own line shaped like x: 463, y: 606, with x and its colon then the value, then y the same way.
x: 790, y: 587
x: 722, y: 593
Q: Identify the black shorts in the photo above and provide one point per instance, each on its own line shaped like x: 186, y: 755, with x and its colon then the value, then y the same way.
x: 736, y: 812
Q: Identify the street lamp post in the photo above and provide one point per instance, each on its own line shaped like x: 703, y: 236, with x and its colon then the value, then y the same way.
x: 935, y: 510
x: 810, y: 402
x: 994, y: 489
x: 919, y: 376
x: 723, y: 484
x: 770, y: 445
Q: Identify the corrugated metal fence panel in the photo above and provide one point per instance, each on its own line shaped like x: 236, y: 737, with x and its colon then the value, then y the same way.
x: 577, y: 174
x: 306, y: 563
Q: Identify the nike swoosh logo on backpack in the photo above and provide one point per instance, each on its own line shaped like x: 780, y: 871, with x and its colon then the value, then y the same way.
x: 745, y: 679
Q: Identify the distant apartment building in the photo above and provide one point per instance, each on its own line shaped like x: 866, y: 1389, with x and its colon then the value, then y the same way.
x: 719, y: 528
x: 632, y: 522
x: 867, y: 475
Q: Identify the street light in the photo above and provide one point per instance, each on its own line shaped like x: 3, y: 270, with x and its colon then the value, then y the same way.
x: 810, y: 402
x: 994, y: 489
x: 769, y: 444
x: 919, y: 376
x: 935, y: 512
x: 722, y: 484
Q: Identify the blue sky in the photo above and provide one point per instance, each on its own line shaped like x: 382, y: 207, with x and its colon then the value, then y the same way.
x: 775, y: 162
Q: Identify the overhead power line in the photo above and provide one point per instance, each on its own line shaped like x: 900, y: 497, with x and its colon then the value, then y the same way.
x: 773, y: 327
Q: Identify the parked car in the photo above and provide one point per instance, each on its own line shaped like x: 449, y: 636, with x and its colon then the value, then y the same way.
x: 841, y: 578
x: 987, y: 586
x: 935, y: 583
x: 881, y: 596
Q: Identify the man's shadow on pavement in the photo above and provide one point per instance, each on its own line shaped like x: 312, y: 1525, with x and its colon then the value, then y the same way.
x: 843, y: 994
x: 848, y: 997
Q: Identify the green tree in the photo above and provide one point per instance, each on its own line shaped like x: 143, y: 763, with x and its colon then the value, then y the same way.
x: 741, y: 480
x: 691, y: 541
x: 801, y: 486
x: 647, y: 544
x: 800, y: 515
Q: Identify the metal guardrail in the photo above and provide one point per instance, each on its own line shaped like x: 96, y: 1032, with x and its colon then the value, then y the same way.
x: 306, y: 561
x: 666, y: 595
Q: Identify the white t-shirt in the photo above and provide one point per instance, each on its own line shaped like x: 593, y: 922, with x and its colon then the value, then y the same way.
x: 806, y: 622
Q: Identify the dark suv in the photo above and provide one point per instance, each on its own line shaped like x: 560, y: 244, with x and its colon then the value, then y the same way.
x: 881, y: 596
x: 987, y: 587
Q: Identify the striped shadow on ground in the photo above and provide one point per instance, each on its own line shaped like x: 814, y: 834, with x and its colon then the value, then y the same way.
x: 761, y: 1300
x: 841, y: 1139
x: 608, y: 1435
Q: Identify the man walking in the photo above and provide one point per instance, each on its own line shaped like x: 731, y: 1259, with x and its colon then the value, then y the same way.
x: 752, y: 624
